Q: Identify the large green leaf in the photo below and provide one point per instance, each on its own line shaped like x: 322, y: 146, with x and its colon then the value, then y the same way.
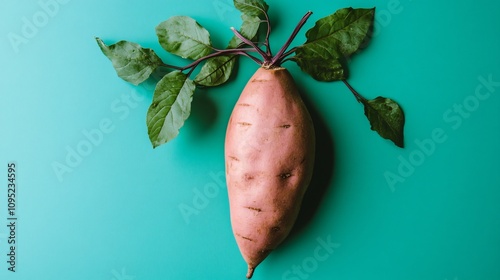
x: 331, y: 41
x: 256, y: 8
x: 216, y: 70
x: 346, y: 30
x: 183, y: 36
x: 322, y: 66
x: 170, y: 108
x: 132, y: 63
x: 387, y: 118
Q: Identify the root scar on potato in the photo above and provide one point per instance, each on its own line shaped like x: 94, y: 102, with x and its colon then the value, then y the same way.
x: 285, y: 175
x: 244, y: 123
x: 254, y: 209
x: 233, y: 158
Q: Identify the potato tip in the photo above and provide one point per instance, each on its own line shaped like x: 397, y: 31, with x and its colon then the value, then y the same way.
x: 250, y: 272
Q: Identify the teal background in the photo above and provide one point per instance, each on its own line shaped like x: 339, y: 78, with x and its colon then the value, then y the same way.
x: 115, y: 214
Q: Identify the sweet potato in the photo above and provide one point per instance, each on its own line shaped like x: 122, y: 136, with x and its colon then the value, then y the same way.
x: 269, y: 155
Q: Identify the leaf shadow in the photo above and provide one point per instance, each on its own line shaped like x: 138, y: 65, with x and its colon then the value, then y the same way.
x: 368, y: 38
x: 324, y: 166
x: 203, y: 112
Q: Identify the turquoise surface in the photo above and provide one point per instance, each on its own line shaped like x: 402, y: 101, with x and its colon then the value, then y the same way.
x: 94, y: 200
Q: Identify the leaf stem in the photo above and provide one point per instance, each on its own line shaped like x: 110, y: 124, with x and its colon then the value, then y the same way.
x: 358, y: 96
x: 279, y: 56
x: 258, y: 61
x: 250, y: 43
x: 286, y: 54
x: 171, y: 66
x: 233, y: 50
x: 193, y: 65
x: 268, y: 34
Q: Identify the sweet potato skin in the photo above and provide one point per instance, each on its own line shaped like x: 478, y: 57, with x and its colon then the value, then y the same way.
x: 269, y: 155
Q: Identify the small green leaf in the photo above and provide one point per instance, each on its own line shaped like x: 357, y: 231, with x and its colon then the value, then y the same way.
x: 325, y: 66
x: 256, y: 8
x: 345, y: 30
x: 250, y: 28
x: 132, y: 63
x: 216, y: 70
x: 170, y: 108
x: 183, y: 36
x: 387, y: 118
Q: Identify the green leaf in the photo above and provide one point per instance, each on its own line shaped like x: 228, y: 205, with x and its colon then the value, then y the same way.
x: 216, y: 70
x: 253, y: 15
x: 250, y: 29
x: 331, y: 41
x: 345, y: 30
x: 183, y: 36
x: 132, y: 63
x: 170, y: 108
x: 387, y: 118
x: 256, y: 8
x: 250, y: 26
x: 325, y: 66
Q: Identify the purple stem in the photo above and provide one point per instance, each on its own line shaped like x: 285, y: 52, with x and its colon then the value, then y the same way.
x: 193, y: 65
x: 258, y: 61
x: 267, y: 44
x: 291, y: 51
x: 358, y: 96
x: 250, y: 43
x: 277, y: 58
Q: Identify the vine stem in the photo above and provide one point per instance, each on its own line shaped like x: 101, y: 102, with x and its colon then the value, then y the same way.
x: 268, y: 34
x: 258, y: 61
x: 279, y: 56
x: 358, y: 96
x: 193, y: 65
x: 286, y: 54
x: 250, y: 43
x: 172, y: 66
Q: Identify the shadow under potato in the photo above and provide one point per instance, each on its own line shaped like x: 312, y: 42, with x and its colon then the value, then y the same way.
x: 323, y: 171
